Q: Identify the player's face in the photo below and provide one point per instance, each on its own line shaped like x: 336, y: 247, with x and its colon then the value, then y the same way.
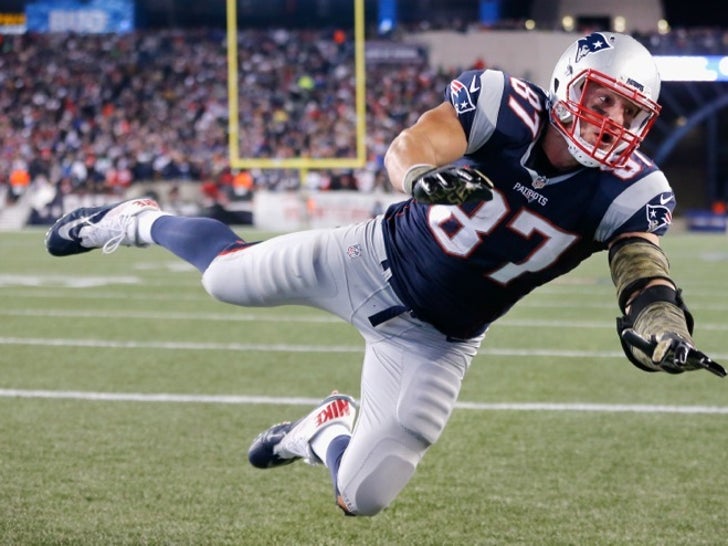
x: 607, y: 104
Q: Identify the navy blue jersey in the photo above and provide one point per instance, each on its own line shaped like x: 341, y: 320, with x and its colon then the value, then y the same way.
x: 462, y: 267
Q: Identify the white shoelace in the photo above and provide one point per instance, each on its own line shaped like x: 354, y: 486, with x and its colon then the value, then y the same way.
x: 112, y: 244
x: 117, y: 228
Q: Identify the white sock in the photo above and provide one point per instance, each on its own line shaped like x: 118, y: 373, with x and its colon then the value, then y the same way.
x: 144, y: 222
x: 320, y: 443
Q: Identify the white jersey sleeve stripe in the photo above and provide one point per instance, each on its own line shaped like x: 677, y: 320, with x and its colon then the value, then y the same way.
x: 487, y: 108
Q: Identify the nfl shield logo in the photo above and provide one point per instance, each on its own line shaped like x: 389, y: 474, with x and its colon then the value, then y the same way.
x: 539, y: 182
x: 354, y: 251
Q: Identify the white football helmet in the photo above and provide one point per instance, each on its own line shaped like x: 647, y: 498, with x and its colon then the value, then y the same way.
x: 623, y: 66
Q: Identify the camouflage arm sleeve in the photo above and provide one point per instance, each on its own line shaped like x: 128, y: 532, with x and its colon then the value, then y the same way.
x: 650, y: 311
x: 635, y: 262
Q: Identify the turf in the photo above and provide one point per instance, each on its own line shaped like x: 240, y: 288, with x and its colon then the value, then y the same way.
x: 129, y: 398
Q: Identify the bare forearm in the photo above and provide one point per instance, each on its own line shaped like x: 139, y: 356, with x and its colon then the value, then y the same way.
x: 436, y: 139
x: 408, y: 150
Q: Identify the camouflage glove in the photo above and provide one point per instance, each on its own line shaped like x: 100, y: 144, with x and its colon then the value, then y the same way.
x: 449, y: 185
x: 672, y: 353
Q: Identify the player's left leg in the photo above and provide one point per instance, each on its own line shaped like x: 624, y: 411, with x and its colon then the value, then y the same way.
x: 410, y: 383
x: 411, y: 380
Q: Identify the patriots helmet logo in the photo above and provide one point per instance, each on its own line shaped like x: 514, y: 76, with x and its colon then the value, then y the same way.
x: 593, y: 43
x: 460, y: 97
x: 658, y: 216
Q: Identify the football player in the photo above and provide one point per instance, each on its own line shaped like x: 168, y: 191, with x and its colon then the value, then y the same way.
x: 511, y: 186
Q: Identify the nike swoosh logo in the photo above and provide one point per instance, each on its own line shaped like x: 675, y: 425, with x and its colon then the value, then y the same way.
x: 474, y: 84
x: 663, y: 200
x: 65, y: 230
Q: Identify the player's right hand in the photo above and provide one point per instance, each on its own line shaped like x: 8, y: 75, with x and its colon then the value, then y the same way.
x: 452, y: 185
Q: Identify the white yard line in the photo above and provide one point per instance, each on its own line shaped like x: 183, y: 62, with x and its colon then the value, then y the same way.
x: 298, y: 401
x: 179, y: 345
x: 318, y: 318
x: 288, y: 348
x: 170, y: 315
x: 551, y: 301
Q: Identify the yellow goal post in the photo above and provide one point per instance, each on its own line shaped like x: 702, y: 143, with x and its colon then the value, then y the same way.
x: 300, y: 163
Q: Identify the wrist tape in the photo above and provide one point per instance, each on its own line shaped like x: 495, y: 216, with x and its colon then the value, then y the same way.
x: 412, y: 174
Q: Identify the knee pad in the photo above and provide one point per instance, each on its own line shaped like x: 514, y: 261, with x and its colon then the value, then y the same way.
x: 374, y: 471
x: 387, y: 469
x: 225, y: 280
x: 215, y: 282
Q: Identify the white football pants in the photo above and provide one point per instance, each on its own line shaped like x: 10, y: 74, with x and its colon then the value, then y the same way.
x: 411, y: 374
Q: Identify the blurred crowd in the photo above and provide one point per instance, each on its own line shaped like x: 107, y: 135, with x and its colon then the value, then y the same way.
x: 97, y: 113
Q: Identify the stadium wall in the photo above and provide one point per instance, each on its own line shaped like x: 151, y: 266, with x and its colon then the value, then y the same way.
x: 531, y: 55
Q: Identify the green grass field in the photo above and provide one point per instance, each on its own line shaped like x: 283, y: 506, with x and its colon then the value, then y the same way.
x: 128, y: 399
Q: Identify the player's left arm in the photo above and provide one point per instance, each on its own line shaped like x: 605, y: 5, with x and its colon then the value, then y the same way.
x: 656, y: 328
